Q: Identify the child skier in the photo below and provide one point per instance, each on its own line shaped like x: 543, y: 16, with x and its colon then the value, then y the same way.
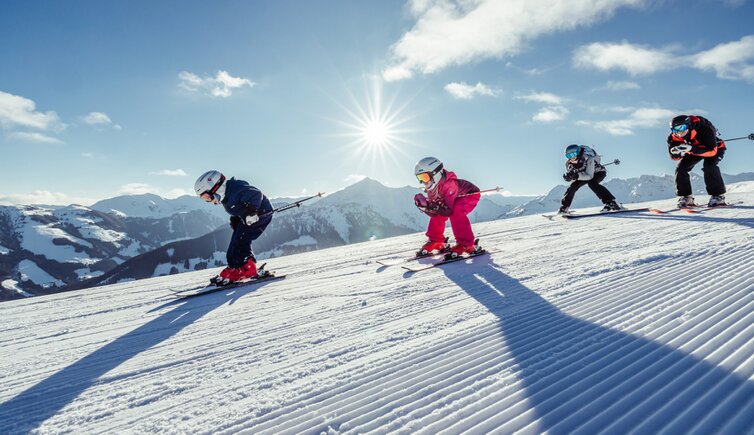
x: 249, y: 216
x: 583, y: 168
x: 691, y: 140
x: 448, y: 197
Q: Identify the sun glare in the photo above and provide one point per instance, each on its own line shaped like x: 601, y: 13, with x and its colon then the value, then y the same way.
x: 376, y: 133
x: 375, y: 130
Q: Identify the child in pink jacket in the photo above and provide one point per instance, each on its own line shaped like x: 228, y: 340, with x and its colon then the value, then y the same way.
x: 448, y: 197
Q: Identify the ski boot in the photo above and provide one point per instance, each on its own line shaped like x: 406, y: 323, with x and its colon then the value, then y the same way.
x: 686, y: 202
x: 563, y: 210
x: 226, y: 276
x: 716, y: 201
x: 248, y: 269
x: 459, y: 249
x: 431, y: 246
x: 611, y: 206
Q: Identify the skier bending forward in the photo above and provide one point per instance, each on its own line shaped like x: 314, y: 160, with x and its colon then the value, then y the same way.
x: 583, y: 168
x: 249, y: 213
x: 448, y: 197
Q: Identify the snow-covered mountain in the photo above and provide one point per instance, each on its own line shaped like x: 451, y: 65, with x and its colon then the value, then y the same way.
x: 45, y: 249
x: 623, y: 323
x: 152, y: 206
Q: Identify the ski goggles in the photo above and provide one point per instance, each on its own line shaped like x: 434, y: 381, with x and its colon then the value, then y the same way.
x: 206, y: 196
x: 424, y: 177
x: 572, y: 155
x: 680, y: 128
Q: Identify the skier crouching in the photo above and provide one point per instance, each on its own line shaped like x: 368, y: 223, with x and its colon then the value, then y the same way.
x: 693, y: 139
x: 583, y: 168
x: 249, y: 216
x: 448, y: 197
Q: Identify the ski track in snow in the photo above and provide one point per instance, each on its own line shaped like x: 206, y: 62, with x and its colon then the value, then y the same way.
x: 625, y: 323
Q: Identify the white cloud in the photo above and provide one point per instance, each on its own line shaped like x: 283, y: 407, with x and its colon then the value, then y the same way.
x: 542, y: 97
x: 32, y: 137
x: 622, y: 86
x: 99, y: 119
x: 96, y: 118
x: 87, y: 155
x: 634, y: 59
x: 43, y: 197
x: 645, y: 117
x: 467, y: 92
x: 222, y: 85
x: 16, y: 111
x: 550, y: 114
x: 728, y: 60
x: 456, y: 32
x: 135, y: 189
x: 172, y: 173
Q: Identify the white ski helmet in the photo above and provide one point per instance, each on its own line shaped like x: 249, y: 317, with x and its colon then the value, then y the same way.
x: 430, y: 166
x: 212, y: 182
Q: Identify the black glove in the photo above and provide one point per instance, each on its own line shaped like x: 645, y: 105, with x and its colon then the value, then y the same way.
x: 751, y: 136
x: 234, y: 221
x: 571, y: 176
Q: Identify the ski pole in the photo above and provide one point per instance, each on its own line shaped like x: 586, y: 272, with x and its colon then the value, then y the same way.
x: 750, y: 137
x: 495, y: 189
x: 291, y: 205
x: 614, y: 162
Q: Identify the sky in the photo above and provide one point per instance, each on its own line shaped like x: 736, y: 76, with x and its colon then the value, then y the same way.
x: 99, y: 99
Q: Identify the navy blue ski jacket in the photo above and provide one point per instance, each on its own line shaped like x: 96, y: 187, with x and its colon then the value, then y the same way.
x: 242, y: 199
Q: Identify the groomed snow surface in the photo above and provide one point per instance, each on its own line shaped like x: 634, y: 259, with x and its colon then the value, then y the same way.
x: 625, y: 323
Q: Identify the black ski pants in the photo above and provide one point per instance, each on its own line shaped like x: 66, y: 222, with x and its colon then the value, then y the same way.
x: 713, y: 179
x: 594, y: 184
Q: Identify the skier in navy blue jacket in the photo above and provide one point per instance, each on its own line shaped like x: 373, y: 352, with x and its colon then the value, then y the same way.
x: 249, y: 213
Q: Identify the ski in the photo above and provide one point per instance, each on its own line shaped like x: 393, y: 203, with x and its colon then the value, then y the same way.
x: 603, y: 213
x: 408, y: 259
x: 417, y: 256
x: 445, y: 261
x: 694, y: 209
x: 706, y: 208
x: 212, y: 287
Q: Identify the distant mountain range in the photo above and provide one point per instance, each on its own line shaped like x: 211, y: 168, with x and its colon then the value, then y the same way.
x: 49, y: 249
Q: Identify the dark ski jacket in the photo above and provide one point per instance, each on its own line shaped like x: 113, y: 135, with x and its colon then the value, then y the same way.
x: 242, y: 200
x: 702, y: 137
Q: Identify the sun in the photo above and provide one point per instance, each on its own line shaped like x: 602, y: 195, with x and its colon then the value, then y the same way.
x: 376, y: 133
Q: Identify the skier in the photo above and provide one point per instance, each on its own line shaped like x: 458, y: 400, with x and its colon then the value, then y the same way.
x: 691, y: 140
x: 583, y: 168
x: 249, y: 216
x: 448, y: 197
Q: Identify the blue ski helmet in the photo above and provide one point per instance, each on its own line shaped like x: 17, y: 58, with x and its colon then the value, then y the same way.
x: 573, y: 151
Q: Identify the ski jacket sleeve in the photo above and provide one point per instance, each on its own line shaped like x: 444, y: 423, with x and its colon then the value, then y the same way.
x: 251, y: 200
x: 447, y: 197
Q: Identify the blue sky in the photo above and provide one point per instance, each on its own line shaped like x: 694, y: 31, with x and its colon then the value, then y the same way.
x: 105, y: 98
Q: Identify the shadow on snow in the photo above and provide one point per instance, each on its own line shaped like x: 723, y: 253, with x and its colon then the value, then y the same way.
x: 28, y: 410
x: 586, y: 377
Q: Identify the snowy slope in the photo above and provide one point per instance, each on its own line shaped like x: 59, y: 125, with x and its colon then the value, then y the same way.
x: 625, y: 322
